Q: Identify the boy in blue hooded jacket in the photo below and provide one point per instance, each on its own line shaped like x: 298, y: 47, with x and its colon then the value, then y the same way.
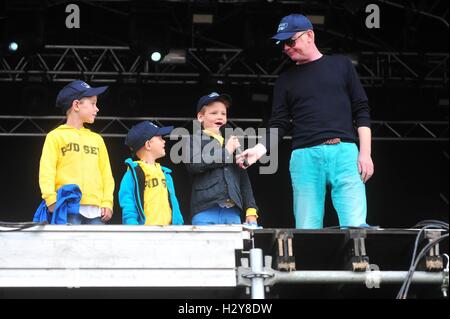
x: 147, y: 193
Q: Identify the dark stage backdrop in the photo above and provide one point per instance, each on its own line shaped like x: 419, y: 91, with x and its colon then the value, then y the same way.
x: 406, y: 187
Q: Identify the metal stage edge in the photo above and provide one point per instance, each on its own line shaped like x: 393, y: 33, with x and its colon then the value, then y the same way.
x: 205, y: 257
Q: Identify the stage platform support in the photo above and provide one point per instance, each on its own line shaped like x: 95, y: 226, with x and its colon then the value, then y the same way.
x: 120, y: 256
x: 219, y: 256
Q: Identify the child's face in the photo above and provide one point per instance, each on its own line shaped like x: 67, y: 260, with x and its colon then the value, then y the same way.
x: 213, y: 116
x: 87, y: 109
x: 157, y: 146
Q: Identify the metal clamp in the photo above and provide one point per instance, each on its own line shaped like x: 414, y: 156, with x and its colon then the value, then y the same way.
x: 245, y: 274
x: 444, y: 286
x: 285, y: 253
x: 433, y: 261
x: 359, y: 258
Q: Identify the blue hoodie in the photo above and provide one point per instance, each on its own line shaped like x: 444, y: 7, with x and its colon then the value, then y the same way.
x: 130, y: 199
x: 67, y: 202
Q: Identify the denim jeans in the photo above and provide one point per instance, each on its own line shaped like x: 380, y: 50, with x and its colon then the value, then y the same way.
x: 312, y: 169
x: 78, y: 219
x: 217, y: 215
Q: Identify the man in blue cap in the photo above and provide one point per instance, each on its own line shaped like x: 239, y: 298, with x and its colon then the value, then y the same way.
x: 324, y: 98
x: 73, y: 154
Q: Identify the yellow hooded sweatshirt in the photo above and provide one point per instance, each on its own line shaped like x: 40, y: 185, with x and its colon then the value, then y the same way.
x: 72, y: 156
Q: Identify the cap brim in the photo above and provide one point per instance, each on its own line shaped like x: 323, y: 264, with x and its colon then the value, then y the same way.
x: 283, y: 35
x: 94, y: 91
x: 162, y: 131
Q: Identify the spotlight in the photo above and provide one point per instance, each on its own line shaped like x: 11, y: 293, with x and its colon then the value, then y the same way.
x: 13, y: 46
x: 156, y: 56
x: 22, y: 28
x: 202, y: 18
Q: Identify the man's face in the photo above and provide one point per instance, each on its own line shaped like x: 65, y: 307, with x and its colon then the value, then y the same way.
x: 297, y: 47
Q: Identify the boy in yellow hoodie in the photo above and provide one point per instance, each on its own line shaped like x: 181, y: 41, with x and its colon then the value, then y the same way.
x: 72, y: 154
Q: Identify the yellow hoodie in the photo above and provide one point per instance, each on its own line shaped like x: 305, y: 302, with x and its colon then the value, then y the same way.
x: 72, y: 156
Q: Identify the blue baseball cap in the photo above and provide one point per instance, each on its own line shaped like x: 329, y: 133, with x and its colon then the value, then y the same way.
x: 211, y: 97
x: 74, y: 91
x: 142, y: 132
x: 290, y: 25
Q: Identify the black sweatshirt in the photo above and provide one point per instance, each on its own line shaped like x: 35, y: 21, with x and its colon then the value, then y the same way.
x: 324, y: 98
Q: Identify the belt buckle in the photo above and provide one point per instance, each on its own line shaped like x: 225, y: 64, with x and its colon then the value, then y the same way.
x: 332, y: 141
x: 227, y: 203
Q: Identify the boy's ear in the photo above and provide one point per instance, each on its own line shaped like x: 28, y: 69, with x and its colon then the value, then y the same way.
x: 200, y: 117
x: 75, y: 105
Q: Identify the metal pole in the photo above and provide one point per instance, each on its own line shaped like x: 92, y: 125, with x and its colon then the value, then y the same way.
x: 334, y: 277
x: 256, y: 263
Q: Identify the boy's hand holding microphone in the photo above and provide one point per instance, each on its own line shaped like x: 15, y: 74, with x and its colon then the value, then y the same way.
x: 234, y: 145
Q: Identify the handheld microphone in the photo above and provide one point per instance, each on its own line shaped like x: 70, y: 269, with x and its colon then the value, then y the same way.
x: 238, y: 149
x: 245, y: 162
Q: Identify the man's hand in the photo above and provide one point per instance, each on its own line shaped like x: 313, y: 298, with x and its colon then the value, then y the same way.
x: 252, y: 155
x: 365, y: 164
x: 106, y: 214
x: 365, y: 167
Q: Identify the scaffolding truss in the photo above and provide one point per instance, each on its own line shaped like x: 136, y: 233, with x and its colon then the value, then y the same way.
x: 110, y: 64
x: 15, y: 126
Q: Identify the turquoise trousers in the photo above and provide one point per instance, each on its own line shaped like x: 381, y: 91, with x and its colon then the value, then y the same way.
x: 312, y: 170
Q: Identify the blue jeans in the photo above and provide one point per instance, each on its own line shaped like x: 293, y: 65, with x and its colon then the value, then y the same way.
x: 312, y: 169
x: 217, y: 215
x: 78, y: 219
